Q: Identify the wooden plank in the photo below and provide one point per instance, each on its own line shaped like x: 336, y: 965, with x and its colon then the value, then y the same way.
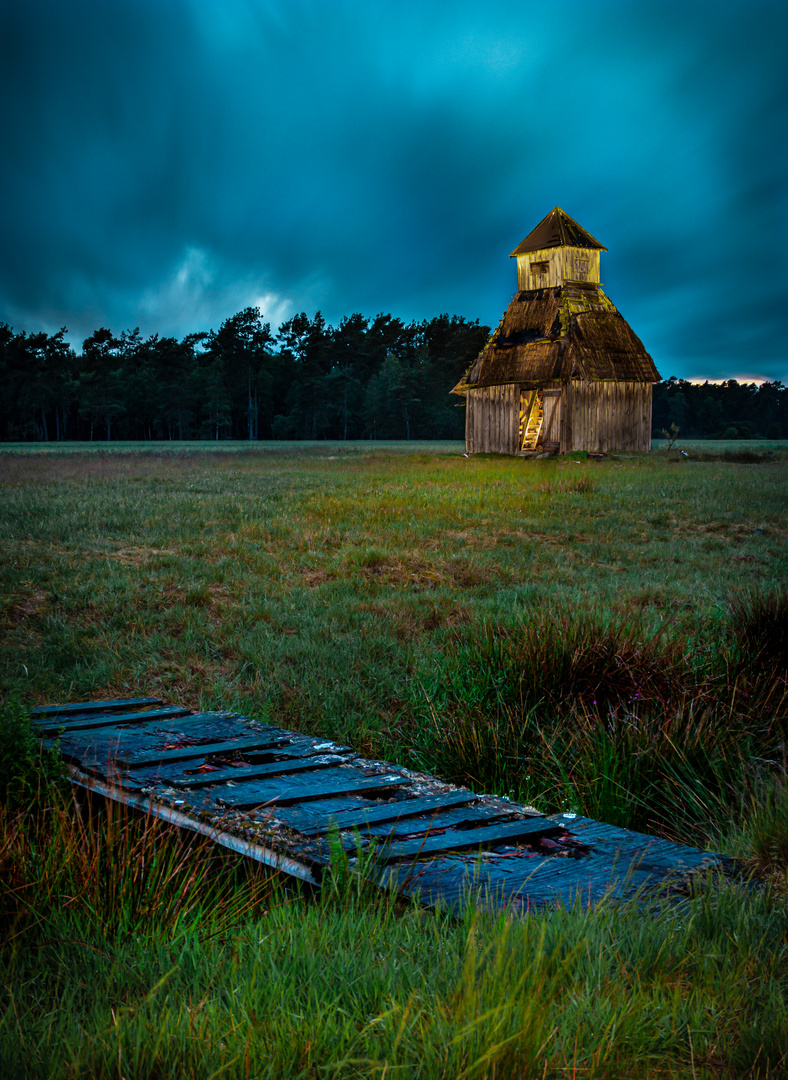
x: 578, y: 415
x: 99, y: 720
x: 500, y: 398
x: 249, y: 800
x: 451, y: 820
x: 254, y: 772
x: 94, y: 706
x: 506, y: 422
x: 566, y: 419
x: 183, y: 753
x: 514, y: 409
x: 395, y: 811
x: 506, y: 833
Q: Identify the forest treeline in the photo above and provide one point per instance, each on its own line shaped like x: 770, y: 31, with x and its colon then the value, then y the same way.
x: 728, y: 410
x: 375, y: 378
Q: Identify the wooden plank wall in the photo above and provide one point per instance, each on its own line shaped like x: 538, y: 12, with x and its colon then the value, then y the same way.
x: 574, y: 259
x: 607, y: 416
x: 554, y: 275
x: 491, y: 420
x: 564, y: 264
x: 590, y: 416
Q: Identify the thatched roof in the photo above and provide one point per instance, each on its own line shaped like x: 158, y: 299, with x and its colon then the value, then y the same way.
x: 557, y: 230
x: 549, y: 335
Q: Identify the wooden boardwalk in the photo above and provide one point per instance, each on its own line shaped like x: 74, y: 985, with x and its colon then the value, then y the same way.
x: 276, y: 796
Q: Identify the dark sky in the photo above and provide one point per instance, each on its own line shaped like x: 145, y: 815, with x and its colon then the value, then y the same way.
x: 167, y: 162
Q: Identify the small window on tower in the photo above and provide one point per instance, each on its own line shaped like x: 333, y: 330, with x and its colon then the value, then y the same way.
x: 539, y: 268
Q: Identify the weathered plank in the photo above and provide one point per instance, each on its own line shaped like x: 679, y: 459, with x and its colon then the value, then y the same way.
x: 507, y: 833
x: 394, y: 811
x: 99, y: 720
x: 249, y: 799
x: 255, y: 772
x: 460, y: 818
x: 452, y: 821
x: 209, y: 749
x: 94, y: 706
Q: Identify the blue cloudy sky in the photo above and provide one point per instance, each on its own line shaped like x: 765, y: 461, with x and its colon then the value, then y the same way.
x: 168, y: 162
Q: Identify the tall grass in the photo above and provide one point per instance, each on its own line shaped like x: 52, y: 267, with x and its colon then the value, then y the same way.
x: 125, y: 955
x: 666, y: 732
x: 70, y: 866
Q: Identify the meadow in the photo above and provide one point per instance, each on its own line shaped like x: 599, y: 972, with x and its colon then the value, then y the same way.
x: 606, y: 635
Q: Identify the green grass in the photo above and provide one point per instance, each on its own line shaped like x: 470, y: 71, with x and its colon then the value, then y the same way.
x: 607, y: 635
x: 128, y: 952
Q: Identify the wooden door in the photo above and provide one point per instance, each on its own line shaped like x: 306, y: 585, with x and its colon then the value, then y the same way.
x: 550, y: 436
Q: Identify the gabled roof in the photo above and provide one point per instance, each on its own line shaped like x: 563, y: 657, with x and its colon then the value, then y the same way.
x: 557, y: 230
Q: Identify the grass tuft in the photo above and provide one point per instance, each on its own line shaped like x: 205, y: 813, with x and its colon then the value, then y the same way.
x: 26, y: 770
x: 643, y: 730
x: 760, y: 627
x: 101, y: 867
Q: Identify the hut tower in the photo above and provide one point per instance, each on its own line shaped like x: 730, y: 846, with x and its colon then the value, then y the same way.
x: 563, y: 370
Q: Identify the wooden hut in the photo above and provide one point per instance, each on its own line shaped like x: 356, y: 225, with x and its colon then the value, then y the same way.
x: 563, y: 370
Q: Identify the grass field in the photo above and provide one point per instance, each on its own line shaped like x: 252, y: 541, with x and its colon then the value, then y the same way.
x: 603, y: 635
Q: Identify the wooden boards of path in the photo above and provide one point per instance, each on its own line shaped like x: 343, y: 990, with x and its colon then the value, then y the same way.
x: 277, y: 796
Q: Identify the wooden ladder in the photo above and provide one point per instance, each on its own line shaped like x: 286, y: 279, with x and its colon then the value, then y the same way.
x: 534, y: 425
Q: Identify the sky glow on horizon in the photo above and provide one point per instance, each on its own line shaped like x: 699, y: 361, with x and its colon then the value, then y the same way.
x: 169, y: 162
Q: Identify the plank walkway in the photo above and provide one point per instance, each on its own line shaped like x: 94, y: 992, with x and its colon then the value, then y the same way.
x: 277, y: 796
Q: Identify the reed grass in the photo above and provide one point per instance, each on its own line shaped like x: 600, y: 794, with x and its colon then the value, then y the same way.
x: 648, y: 731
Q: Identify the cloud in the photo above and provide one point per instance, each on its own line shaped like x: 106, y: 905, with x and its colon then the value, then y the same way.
x: 169, y: 161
